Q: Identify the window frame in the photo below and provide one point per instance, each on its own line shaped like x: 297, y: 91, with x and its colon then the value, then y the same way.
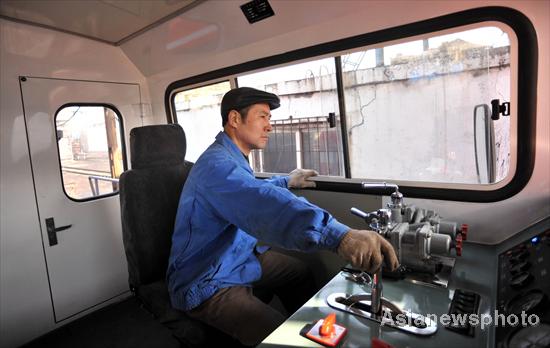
x: 122, y: 145
x: 526, y: 91
x: 174, y: 118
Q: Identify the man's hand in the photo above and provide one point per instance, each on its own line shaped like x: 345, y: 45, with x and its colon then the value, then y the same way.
x: 298, y: 178
x: 366, y: 250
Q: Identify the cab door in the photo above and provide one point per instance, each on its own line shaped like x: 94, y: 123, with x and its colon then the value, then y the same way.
x: 82, y: 238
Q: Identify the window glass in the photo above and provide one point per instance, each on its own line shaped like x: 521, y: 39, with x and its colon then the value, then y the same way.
x: 410, y: 107
x: 302, y: 136
x: 198, y: 113
x: 419, y: 110
x: 90, y: 150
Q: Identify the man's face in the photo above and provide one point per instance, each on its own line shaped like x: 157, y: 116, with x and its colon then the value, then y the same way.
x: 253, y: 131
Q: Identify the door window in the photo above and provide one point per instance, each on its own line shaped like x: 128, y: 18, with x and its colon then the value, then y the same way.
x: 90, y: 150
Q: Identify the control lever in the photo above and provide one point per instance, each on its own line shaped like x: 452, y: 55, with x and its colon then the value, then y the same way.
x: 360, y: 213
x: 396, y: 196
x: 377, y: 308
x: 376, y: 293
x: 374, y: 307
x: 377, y: 220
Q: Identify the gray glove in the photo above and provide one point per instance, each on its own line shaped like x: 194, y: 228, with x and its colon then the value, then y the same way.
x: 298, y: 178
x: 367, y: 250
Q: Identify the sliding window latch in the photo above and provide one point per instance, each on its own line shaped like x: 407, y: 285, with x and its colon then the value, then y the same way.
x: 331, y: 119
x: 498, y: 109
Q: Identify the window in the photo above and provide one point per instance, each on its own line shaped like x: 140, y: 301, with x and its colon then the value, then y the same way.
x: 409, y: 110
x: 410, y: 107
x: 198, y: 113
x: 431, y: 107
x: 90, y: 150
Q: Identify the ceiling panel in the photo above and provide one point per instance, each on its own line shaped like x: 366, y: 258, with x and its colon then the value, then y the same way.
x: 107, y: 20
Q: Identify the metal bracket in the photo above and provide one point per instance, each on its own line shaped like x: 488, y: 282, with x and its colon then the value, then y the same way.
x: 391, y: 315
x: 498, y: 109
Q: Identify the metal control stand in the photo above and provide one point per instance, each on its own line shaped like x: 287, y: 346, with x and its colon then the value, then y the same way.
x: 426, y: 244
x: 422, y: 241
x: 375, y: 307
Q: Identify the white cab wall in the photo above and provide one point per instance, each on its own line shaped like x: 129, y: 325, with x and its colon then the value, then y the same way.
x: 215, y: 35
x: 25, y: 303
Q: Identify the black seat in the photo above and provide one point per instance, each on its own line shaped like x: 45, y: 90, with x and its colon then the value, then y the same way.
x: 149, y: 196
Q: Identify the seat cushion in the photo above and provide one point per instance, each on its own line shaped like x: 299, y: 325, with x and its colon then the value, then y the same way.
x: 190, y: 332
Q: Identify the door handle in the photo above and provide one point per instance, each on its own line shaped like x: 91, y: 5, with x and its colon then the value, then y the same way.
x: 52, y: 230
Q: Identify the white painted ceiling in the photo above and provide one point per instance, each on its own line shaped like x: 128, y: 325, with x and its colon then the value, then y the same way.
x: 112, y: 21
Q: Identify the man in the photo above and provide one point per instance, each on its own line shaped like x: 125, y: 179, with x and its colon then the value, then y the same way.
x: 215, y: 262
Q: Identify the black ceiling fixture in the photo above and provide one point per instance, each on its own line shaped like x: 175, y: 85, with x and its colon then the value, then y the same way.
x: 256, y: 10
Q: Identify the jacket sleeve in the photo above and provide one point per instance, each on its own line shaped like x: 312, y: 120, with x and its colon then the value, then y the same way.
x: 268, y: 212
x: 279, y: 180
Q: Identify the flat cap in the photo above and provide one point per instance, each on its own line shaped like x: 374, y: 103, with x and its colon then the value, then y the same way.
x: 242, y: 97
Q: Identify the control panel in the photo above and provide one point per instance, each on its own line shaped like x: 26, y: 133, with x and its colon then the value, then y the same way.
x: 524, y: 291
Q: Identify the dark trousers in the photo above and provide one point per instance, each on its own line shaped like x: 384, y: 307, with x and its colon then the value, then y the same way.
x: 240, y: 314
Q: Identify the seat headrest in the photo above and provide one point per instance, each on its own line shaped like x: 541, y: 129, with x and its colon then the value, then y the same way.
x: 152, y: 146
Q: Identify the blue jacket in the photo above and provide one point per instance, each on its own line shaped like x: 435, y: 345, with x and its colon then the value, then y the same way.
x: 223, y: 211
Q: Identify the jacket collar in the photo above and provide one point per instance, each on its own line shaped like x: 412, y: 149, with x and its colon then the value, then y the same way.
x: 224, y: 140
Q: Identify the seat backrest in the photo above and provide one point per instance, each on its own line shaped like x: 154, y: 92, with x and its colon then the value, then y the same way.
x: 149, y: 197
